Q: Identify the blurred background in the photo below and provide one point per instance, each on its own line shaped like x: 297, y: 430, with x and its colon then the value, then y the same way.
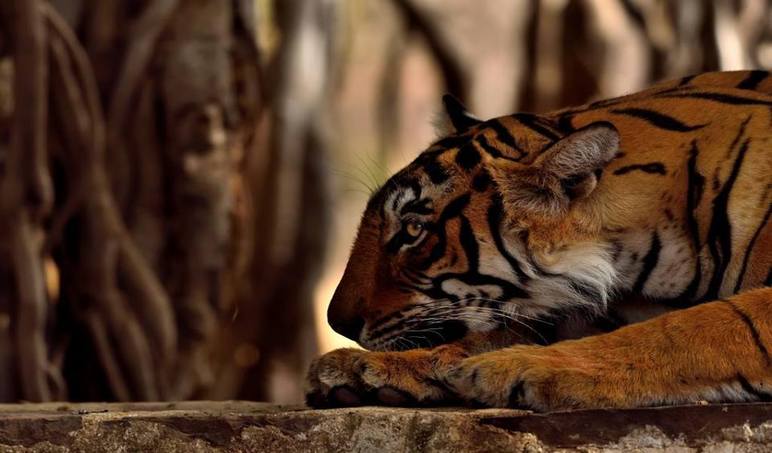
x: 181, y: 180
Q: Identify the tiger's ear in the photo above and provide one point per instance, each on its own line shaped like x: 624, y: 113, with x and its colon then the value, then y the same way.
x: 460, y: 119
x: 567, y: 171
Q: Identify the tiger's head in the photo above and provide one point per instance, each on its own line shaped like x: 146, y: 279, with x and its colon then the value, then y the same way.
x: 498, y: 220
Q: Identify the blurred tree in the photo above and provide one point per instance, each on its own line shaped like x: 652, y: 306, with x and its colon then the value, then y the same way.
x: 292, y: 203
x: 150, y: 241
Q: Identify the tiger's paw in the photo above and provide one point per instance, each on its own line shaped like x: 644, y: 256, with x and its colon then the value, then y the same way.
x: 353, y: 377
x: 516, y: 378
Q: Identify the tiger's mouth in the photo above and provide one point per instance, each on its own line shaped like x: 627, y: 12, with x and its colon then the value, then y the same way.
x: 427, y: 334
x: 435, y: 323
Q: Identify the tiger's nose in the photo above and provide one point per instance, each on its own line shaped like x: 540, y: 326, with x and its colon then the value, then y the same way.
x: 344, y: 320
x: 350, y: 328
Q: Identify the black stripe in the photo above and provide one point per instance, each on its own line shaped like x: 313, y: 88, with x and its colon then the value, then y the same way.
x: 504, y: 136
x: 502, y: 133
x: 537, y: 125
x: 481, y: 181
x: 454, y: 207
x: 604, y: 103
x: 396, y: 316
x: 487, y: 147
x: 654, y: 167
x: 508, y: 289
x: 749, y: 250
x: 751, y: 327
x: 382, y: 331
x: 740, y: 134
x: 493, y: 152
x: 468, y: 157
x: 565, y: 124
x: 415, y: 186
x: 452, y: 210
x: 417, y: 206
x: 649, y: 263
x: 753, y: 79
x: 495, y: 217
x: 436, y: 252
x: 751, y: 390
x: 415, y: 277
x: 437, y: 173
x: 685, y: 80
x: 452, y: 141
x: 548, y: 122
x: 469, y: 244
x: 657, y: 119
x: 399, y: 239
x: 718, y: 97
x: 695, y: 187
x: 720, y: 231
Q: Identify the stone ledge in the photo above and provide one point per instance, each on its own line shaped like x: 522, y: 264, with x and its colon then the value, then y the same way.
x: 244, y: 426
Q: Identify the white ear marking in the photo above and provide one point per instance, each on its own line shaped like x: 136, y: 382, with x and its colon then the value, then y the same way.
x: 442, y: 125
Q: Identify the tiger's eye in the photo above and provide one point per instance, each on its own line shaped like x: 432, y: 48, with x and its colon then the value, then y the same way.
x: 414, y: 228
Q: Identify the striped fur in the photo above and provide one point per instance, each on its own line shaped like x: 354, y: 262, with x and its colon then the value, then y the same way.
x: 531, y: 228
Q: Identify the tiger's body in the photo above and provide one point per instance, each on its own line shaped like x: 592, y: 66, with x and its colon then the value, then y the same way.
x: 648, y: 211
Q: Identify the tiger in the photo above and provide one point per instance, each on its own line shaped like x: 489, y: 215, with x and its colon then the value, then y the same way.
x: 616, y: 254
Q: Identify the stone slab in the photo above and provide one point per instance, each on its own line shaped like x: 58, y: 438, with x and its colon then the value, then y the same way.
x: 235, y: 426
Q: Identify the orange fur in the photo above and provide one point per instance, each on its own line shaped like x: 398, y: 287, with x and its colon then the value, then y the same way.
x: 630, y: 208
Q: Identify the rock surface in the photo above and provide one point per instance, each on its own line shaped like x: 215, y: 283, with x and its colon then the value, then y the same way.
x: 244, y: 426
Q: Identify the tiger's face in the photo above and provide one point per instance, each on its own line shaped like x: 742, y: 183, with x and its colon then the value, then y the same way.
x: 491, y: 224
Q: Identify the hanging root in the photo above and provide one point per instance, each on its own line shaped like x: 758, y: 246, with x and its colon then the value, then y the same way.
x: 72, y: 212
x: 26, y: 197
x: 144, y: 331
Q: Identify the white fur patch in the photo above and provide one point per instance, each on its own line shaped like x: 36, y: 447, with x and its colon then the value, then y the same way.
x: 675, y: 266
x: 587, y: 266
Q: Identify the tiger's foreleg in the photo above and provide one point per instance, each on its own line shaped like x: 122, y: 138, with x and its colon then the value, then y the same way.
x: 352, y: 377
x: 717, y: 351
